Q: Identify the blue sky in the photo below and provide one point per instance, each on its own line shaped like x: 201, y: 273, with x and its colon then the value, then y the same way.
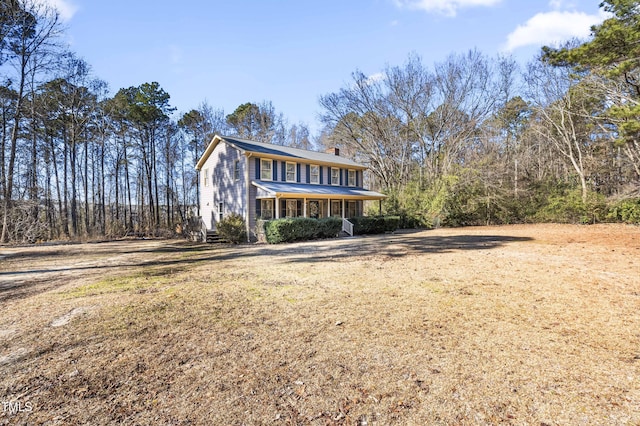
x: 292, y: 52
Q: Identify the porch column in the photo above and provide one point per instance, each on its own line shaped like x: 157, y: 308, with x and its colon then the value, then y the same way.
x: 343, y: 212
x: 329, y: 207
x: 276, y: 207
x: 304, y: 207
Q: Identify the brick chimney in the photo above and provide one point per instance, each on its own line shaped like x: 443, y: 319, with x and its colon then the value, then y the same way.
x: 334, y: 151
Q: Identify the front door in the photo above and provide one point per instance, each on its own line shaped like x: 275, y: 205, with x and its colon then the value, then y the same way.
x: 314, y: 209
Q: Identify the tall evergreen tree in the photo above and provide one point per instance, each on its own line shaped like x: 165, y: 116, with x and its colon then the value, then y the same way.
x: 612, y: 59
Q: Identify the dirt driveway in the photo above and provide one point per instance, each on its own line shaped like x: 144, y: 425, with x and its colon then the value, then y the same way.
x: 535, y: 324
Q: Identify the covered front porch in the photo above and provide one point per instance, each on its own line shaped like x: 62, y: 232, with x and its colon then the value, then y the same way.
x: 276, y: 208
x: 276, y: 200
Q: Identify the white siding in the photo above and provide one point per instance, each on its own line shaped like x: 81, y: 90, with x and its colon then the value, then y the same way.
x: 223, y: 188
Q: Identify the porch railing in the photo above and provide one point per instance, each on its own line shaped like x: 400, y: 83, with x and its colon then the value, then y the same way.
x: 196, y: 229
x: 347, y: 227
x: 203, y: 230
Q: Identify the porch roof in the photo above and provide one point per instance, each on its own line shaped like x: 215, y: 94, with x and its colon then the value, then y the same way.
x: 299, y: 190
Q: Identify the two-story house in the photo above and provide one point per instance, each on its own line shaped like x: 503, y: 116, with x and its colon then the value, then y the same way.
x: 261, y: 180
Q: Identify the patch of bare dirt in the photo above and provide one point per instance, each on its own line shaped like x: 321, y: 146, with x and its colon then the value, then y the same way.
x: 535, y: 324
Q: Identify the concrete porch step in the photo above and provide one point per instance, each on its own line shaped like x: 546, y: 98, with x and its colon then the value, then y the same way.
x: 214, y: 237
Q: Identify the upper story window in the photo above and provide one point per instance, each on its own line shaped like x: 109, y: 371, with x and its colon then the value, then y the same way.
x: 265, y: 169
x: 236, y: 170
x: 205, y: 177
x: 351, y: 179
x: 291, y: 172
x: 314, y: 174
x: 335, y: 176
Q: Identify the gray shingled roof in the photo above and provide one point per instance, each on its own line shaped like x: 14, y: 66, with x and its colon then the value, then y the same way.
x: 318, y: 190
x: 286, y: 151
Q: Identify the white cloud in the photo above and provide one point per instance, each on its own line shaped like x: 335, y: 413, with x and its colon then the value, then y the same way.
x: 562, y: 4
x: 445, y: 7
x: 374, y: 78
x: 551, y: 28
x: 65, y: 8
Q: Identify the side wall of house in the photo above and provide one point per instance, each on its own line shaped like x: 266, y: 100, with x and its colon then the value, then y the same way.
x: 221, y: 186
x: 253, y: 192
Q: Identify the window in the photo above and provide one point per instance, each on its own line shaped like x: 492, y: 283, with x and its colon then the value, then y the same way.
x: 352, y: 209
x: 220, y: 211
x: 292, y: 208
x: 314, y: 172
x: 336, y: 208
x: 335, y: 176
x: 265, y: 169
x: 266, y: 208
x: 291, y: 172
x: 236, y: 170
x: 205, y: 177
x: 351, y: 180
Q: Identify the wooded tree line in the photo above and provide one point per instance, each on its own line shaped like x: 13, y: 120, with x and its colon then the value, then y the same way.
x: 478, y: 140
x: 470, y: 140
x: 77, y: 163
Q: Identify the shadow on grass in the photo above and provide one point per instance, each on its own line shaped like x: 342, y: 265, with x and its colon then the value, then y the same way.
x: 189, y: 254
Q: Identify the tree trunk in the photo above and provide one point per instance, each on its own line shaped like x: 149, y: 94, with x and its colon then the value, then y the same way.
x: 128, y: 187
x: 8, y: 194
x: 63, y: 230
x: 74, y: 193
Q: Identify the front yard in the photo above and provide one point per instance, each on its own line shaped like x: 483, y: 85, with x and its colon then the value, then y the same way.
x: 536, y: 324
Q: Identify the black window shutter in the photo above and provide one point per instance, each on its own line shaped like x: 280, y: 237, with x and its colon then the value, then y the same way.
x: 284, y: 171
x: 308, y: 173
x: 283, y: 208
x: 298, y: 172
x: 258, y: 208
x: 321, y: 180
x: 299, y: 207
x: 357, y: 178
x: 275, y: 170
x: 257, y: 168
x: 341, y: 173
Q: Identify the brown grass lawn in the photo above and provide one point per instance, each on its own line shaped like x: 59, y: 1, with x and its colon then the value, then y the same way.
x: 523, y: 325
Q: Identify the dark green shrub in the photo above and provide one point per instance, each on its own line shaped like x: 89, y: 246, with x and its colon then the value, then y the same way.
x: 568, y: 208
x: 363, y: 225
x: 391, y: 223
x: 232, y: 228
x: 301, y: 229
x: 329, y: 227
x: 374, y: 224
x: 408, y: 221
x: 627, y: 211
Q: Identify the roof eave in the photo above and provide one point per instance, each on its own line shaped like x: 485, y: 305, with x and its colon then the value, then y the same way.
x: 217, y: 139
x: 207, y: 152
x: 329, y: 196
x: 284, y: 194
